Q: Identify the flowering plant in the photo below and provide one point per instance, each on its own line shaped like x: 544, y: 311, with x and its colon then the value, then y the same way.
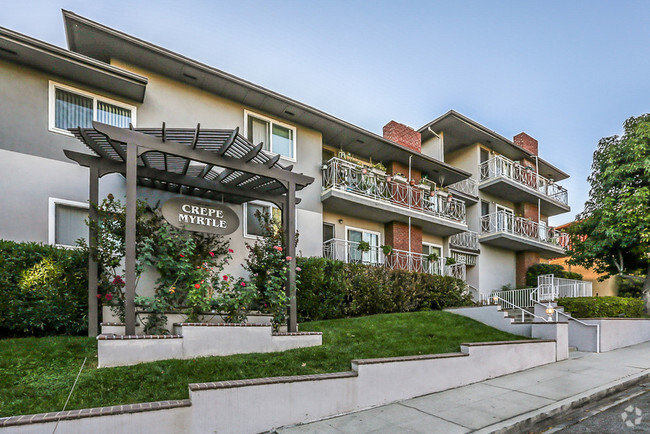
x: 233, y: 298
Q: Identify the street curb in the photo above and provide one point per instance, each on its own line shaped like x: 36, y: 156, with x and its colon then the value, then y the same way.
x: 524, y: 421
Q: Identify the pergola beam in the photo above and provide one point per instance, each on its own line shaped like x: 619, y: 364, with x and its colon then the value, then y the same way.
x: 151, y: 143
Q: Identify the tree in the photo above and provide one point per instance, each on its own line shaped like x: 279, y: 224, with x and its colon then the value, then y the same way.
x: 612, y: 234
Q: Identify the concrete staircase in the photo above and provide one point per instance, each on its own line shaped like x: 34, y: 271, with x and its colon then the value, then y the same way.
x: 520, y: 316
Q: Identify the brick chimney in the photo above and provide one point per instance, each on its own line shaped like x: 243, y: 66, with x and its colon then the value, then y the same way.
x: 404, y: 135
x: 523, y: 140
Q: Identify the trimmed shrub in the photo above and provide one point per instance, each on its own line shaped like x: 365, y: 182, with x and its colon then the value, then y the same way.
x: 556, y: 269
x: 630, y: 286
x: 43, y: 290
x: 603, y: 307
x: 333, y: 289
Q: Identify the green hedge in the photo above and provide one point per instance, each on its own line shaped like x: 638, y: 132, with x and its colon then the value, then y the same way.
x: 603, y: 307
x: 333, y: 289
x: 43, y: 290
x: 630, y: 286
x: 556, y: 269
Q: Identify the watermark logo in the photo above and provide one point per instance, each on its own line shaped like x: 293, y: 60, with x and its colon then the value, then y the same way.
x: 632, y: 416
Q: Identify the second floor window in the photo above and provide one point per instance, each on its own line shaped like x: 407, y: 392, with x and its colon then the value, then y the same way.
x: 71, y: 108
x: 278, y: 138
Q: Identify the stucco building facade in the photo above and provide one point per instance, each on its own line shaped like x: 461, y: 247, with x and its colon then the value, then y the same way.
x: 406, y: 198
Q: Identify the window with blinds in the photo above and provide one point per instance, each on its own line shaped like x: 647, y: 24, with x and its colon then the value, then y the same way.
x: 72, y: 108
x: 69, y: 224
x: 276, y: 137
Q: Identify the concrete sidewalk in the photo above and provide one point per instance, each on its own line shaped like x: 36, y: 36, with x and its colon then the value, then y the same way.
x: 505, y: 404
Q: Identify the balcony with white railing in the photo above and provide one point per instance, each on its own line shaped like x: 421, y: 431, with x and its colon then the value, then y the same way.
x: 468, y: 187
x: 510, y: 180
x: 503, y: 229
x: 348, y: 251
x: 467, y: 240
x: 368, y: 193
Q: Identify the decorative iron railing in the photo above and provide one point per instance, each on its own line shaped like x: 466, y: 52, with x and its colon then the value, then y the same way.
x: 463, y: 258
x: 500, y: 166
x: 348, y: 251
x: 549, y: 288
x: 466, y: 240
x: 351, y: 177
x: 502, y: 221
x: 468, y: 186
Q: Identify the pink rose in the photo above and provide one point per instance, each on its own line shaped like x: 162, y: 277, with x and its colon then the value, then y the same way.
x: 298, y: 269
x: 231, y: 251
x: 243, y: 284
x: 289, y: 258
x: 211, y: 254
x: 109, y: 296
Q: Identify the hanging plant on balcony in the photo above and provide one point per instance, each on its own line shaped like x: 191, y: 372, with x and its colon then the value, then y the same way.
x: 433, y: 257
x: 399, y: 177
x: 363, y: 246
x: 378, y: 167
x: 450, y: 261
x: 388, y: 250
x: 412, y: 182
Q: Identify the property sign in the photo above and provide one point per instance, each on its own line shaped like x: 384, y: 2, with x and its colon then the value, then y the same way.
x: 199, y: 216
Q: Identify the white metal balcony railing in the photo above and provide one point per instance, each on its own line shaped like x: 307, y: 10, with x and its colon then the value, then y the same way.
x: 349, y: 252
x: 347, y: 176
x: 501, y: 166
x: 467, y: 240
x: 468, y: 186
x: 463, y: 258
x: 502, y: 221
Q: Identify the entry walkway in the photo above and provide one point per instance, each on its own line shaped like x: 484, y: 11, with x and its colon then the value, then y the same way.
x: 507, y: 403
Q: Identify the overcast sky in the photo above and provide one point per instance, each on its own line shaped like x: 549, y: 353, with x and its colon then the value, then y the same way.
x: 566, y: 73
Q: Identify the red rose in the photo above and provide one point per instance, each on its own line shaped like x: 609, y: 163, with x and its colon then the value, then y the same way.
x: 243, y: 284
x: 197, y: 285
x: 231, y: 251
x: 225, y: 277
x: 181, y: 255
x: 211, y: 254
x: 109, y: 296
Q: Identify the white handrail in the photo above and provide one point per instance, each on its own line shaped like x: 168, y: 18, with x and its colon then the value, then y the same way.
x: 467, y: 239
x: 351, y: 177
x: 558, y: 312
x: 468, y: 186
x: 523, y: 311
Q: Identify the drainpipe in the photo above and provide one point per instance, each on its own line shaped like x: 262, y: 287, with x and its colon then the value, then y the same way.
x: 410, y: 192
x: 442, y: 143
x: 539, y: 203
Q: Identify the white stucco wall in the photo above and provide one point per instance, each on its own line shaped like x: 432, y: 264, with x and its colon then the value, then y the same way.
x: 496, y: 268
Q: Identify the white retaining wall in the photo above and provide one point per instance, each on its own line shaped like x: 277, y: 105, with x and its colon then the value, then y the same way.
x: 557, y: 331
x: 621, y: 332
x: 249, y: 406
x: 199, y: 340
x: 494, y: 317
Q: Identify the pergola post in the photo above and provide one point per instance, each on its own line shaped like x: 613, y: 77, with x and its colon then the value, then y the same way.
x: 131, y: 204
x: 290, y: 249
x: 93, y: 198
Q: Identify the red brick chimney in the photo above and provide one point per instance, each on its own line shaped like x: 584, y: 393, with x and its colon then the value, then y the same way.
x: 404, y: 135
x: 523, y: 140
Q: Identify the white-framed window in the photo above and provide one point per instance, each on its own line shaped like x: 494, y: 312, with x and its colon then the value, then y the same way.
x: 66, y: 222
x: 252, y: 226
x: 432, y: 267
x: 505, y: 218
x: 70, y: 108
x: 354, y: 236
x: 278, y: 137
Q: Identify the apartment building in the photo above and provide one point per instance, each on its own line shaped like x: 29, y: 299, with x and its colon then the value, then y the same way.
x: 407, y: 198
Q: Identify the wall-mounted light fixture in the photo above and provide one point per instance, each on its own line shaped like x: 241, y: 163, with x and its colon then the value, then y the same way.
x: 341, y: 221
x: 549, y: 311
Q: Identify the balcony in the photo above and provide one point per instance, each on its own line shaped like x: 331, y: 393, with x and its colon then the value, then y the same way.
x: 368, y: 193
x: 467, y: 189
x: 349, y: 252
x: 502, y: 229
x: 509, y: 180
x: 467, y: 240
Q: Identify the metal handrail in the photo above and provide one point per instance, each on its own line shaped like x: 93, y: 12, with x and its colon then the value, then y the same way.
x: 368, y: 182
x: 500, y: 166
x: 523, y: 311
x: 557, y: 312
x: 501, y: 221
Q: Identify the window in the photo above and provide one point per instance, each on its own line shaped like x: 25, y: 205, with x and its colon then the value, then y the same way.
x: 71, y: 108
x: 505, y: 218
x: 328, y: 231
x: 67, y: 222
x: 252, y: 225
x: 355, y: 236
x: 278, y: 138
x: 432, y: 267
x: 485, y: 208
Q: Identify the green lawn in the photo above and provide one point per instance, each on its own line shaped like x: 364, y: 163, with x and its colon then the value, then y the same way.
x: 36, y: 373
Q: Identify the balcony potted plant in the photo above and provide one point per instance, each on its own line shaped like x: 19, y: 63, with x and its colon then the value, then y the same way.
x: 433, y: 257
x: 425, y: 184
x: 450, y: 261
x: 388, y: 250
x: 399, y: 177
x: 378, y: 169
x: 363, y: 246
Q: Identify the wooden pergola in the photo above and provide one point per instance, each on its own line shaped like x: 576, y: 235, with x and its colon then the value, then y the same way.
x: 200, y: 163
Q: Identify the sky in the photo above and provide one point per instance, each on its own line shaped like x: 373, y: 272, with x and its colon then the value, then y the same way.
x: 566, y: 73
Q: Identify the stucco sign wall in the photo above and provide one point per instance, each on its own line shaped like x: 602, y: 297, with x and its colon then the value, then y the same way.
x: 199, y: 216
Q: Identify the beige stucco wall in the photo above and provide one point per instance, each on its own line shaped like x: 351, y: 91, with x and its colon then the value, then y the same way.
x: 466, y: 158
x: 353, y: 222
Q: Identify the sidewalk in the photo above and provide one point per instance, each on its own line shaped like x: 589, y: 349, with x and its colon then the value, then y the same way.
x: 507, y: 403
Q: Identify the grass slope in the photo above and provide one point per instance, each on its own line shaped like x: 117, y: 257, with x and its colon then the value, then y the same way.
x: 36, y: 373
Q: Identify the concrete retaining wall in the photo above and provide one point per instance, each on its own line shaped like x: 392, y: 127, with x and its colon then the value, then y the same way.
x: 621, y: 332
x: 494, y: 317
x: 248, y: 406
x: 199, y: 340
x: 557, y: 331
